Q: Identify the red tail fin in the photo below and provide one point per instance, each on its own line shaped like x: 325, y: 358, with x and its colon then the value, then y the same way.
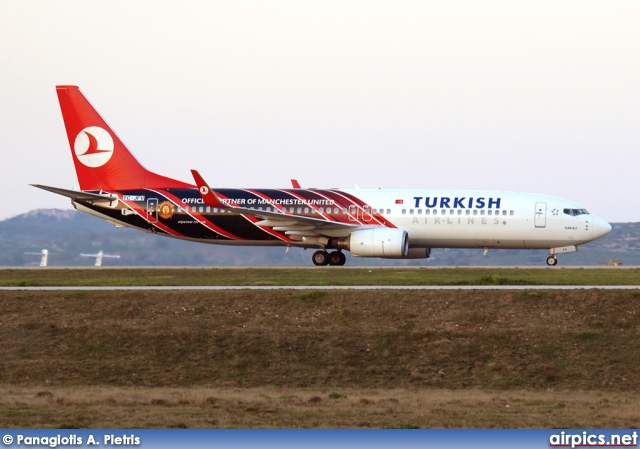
x: 102, y: 161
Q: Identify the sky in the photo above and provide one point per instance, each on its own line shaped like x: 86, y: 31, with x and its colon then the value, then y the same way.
x: 534, y: 96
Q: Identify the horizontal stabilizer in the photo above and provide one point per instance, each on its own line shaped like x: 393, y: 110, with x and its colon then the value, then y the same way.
x: 79, y: 195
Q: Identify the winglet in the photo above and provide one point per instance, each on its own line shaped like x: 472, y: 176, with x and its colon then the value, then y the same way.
x: 295, y: 184
x: 209, y: 197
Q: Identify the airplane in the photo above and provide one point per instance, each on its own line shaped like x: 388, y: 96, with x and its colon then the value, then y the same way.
x: 44, y: 257
x: 99, y: 256
x: 388, y: 224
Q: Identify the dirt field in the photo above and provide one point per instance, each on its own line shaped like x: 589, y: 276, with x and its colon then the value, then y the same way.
x: 275, y: 407
x: 320, y: 359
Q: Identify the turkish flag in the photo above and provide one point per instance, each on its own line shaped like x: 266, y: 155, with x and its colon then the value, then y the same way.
x: 399, y: 201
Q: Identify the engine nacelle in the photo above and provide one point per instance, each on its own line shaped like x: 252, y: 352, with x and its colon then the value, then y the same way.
x: 379, y: 242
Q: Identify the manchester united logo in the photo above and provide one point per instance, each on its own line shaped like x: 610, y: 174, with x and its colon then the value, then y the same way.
x: 166, y: 209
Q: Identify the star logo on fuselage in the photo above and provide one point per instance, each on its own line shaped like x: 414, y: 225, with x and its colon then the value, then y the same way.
x: 93, y: 146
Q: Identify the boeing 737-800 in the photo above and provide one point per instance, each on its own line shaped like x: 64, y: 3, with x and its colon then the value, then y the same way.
x: 392, y: 224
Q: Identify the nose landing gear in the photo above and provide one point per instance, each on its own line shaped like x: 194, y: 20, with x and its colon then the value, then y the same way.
x: 552, y: 258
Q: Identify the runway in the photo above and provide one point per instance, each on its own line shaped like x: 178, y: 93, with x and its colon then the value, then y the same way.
x: 327, y: 287
x: 310, y: 267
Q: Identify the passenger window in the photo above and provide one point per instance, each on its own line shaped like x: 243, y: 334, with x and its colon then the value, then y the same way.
x: 459, y: 211
x: 404, y: 211
x: 468, y: 212
x: 410, y: 211
x: 512, y: 213
x: 451, y: 212
x: 419, y: 211
x: 488, y: 212
x: 475, y: 212
x: 388, y: 211
x: 427, y: 212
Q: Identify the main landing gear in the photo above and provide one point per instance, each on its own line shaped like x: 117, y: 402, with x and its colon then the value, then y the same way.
x: 552, y: 260
x: 334, y: 258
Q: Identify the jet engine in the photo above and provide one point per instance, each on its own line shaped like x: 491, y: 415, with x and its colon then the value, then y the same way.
x: 379, y: 242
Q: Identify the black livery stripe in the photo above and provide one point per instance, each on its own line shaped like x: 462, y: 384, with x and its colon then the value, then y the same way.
x: 201, y: 218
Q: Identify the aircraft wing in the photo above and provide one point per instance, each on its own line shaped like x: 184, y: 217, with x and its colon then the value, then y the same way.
x: 115, y: 256
x: 79, y: 195
x: 289, y: 224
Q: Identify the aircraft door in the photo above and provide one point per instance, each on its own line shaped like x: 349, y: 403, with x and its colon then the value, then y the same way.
x: 353, y: 213
x: 152, y: 210
x: 366, y: 214
x: 363, y: 213
x: 541, y: 215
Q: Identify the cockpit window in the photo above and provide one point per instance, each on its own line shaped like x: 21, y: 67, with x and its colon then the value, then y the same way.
x: 576, y: 212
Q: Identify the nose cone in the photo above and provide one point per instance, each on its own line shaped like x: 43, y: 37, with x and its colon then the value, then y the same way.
x: 599, y: 227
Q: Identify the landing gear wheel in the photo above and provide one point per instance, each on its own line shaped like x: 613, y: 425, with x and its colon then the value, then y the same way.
x: 320, y: 258
x: 552, y: 261
x: 337, y: 258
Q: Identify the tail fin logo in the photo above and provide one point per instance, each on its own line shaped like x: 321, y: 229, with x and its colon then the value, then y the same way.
x: 93, y: 146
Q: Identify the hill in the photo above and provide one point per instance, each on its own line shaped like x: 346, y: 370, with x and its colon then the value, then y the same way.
x: 67, y: 233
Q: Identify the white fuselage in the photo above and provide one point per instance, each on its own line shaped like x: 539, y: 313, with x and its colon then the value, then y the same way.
x: 484, y: 219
